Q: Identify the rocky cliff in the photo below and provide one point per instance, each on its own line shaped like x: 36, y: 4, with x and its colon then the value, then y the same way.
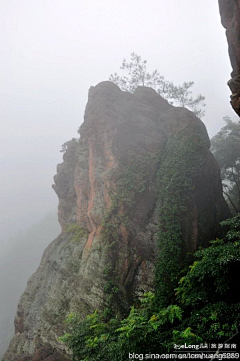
x: 111, y: 188
x: 230, y: 16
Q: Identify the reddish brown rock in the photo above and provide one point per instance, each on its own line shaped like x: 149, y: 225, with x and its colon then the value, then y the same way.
x: 107, y: 185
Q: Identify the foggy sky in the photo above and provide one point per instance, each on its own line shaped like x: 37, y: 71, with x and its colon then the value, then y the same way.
x: 52, y: 51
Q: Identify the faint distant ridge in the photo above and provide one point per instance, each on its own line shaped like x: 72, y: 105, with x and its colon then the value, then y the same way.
x: 20, y: 260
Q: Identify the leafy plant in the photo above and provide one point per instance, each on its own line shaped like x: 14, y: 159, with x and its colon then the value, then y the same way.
x: 75, y: 231
x: 138, y: 75
x: 206, y: 309
x: 180, y: 163
x: 69, y: 145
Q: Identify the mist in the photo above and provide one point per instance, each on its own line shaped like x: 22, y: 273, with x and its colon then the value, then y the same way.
x: 19, y: 261
x: 53, y: 51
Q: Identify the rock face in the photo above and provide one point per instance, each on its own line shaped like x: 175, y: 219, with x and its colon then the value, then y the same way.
x: 230, y: 16
x: 108, y: 209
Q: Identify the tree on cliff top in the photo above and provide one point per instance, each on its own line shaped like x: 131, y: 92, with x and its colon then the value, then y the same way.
x: 138, y: 75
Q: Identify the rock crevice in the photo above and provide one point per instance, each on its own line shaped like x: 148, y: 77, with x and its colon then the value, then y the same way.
x: 107, y: 187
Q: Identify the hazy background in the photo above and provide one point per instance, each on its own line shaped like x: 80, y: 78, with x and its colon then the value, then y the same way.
x: 52, y: 51
x: 20, y: 261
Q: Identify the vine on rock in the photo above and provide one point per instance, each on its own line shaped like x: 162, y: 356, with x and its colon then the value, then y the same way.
x: 130, y: 184
x: 180, y: 163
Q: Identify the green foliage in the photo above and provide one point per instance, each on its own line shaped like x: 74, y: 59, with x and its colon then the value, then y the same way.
x: 76, y: 231
x: 213, y: 265
x: 215, y: 322
x: 186, y: 336
x: 233, y: 225
x: 89, y: 339
x: 95, y: 338
x: 181, y: 161
x: 131, y: 182
x: 139, y: 76
x: 207, y: 309
x: 209, y: 292
x: 110, y: 287
x: 69, y: 145
x: 226, y: 149
x: 76, y: 234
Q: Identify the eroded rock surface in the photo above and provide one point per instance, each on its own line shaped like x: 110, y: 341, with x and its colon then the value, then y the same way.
x: 230, y: 16
x: 107, y: 186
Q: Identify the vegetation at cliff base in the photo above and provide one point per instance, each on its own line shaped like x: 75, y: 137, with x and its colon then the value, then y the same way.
x: 196, y: 298
x: 206, y: 308
x: 179, y: 95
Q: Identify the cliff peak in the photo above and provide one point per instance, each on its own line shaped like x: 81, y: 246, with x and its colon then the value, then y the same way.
x: 131, y: 147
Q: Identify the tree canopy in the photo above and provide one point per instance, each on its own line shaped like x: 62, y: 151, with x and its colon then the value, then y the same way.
x: 137, y: 75
x: 206, y: 308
